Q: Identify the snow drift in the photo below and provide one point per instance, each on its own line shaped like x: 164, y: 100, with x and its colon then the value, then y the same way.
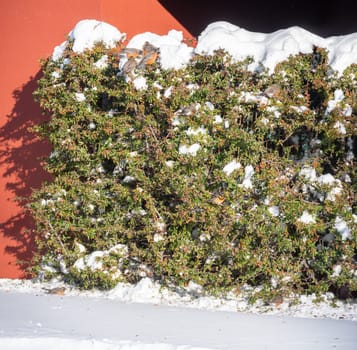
x: 266, y: 48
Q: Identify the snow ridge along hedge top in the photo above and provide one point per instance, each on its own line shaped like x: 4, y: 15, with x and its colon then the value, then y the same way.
x: 212, y: 173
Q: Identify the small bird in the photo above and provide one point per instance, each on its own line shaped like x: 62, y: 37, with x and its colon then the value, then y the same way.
x: 147, y: 48
x: 131, y: 52
x: 272, y: 91
x: 218, y: 200
x: 148, y: 59
x: 56, y: 291
x: 277, y: 300
x: 129, y: 66
x: 188, y: 110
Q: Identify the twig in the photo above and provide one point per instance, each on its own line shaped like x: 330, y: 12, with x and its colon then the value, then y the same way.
x: 58, y: 238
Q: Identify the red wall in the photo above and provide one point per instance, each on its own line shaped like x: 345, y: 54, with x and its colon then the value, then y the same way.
x: 29, y: 31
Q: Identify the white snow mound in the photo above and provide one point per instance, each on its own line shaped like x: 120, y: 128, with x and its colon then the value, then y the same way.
x: 272, y: 48
x: 88, y: 32
x: 267, y: 49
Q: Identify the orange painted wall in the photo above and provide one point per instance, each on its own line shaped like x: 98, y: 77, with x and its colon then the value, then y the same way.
x: 133, y: 17
x: 29, y: 31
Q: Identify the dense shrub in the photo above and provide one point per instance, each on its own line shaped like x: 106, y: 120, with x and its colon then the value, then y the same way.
x: 211, y: 174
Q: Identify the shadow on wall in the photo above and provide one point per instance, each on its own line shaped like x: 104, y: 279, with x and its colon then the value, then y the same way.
x: 318, y: 16
x: 23, y: 151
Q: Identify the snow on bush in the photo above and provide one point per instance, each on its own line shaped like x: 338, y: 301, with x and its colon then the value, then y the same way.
x: 209, y: 174
x: 86, y: 34
x: 269, y: 49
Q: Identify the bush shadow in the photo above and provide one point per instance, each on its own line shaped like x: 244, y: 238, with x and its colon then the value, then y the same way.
x: 21, y: 162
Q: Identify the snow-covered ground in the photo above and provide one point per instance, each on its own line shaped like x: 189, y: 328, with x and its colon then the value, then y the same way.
x: 146, y: 316
x: 147, y: 291
x: 136, y: 318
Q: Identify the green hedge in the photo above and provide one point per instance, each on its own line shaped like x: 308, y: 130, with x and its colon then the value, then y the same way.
x: 201, y: 177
